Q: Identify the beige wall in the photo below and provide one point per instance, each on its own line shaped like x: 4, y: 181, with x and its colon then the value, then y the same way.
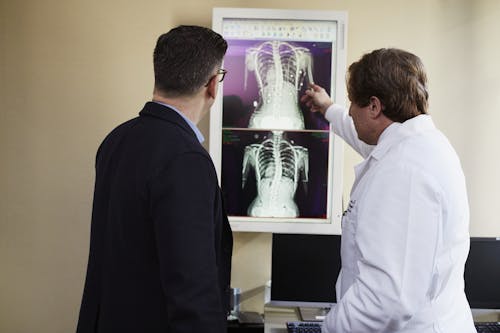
x: 72, y: 70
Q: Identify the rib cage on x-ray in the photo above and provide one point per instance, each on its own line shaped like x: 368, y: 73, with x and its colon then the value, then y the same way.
x: 280, y: 68
x: 278, y: 166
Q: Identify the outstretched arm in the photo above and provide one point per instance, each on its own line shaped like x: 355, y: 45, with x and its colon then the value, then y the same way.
x: 317, y: 100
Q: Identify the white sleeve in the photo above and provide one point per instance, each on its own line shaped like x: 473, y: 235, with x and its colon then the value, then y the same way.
x: 343, y: 126
x: 395, y: 234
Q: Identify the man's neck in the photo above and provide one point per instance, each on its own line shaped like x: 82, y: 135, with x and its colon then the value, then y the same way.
x: 189, y: 106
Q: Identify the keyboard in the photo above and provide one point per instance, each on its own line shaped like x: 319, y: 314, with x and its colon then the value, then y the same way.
x: 315, y: 327
x: 488, y: 327
x: 304, y: 326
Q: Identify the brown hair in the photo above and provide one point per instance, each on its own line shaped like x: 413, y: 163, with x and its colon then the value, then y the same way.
x: 185, y: 57
x: 396, y: 77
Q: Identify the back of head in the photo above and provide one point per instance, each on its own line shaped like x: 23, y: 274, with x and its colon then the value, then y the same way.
x: 185, y: 58
x: 396, y: 77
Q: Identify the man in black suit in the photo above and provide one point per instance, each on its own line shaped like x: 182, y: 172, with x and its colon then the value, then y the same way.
x: 160, y: 247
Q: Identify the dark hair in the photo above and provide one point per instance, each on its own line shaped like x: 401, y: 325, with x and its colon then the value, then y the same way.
x: 185, y: 57
x: 396, y: 77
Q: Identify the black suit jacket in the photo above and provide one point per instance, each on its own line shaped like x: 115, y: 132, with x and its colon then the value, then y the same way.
x: 160, y: 248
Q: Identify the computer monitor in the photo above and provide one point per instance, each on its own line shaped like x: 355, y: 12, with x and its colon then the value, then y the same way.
x: 482, y: 273
x: 304, y: 270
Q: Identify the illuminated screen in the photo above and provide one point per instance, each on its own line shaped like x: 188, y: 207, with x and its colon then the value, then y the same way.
x: 279, y: 164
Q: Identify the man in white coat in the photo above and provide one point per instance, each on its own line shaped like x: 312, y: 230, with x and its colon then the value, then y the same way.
x: 405, y: 232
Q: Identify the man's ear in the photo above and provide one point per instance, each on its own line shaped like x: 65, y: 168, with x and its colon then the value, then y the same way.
x: 212, y: 87
x: 375, y: 107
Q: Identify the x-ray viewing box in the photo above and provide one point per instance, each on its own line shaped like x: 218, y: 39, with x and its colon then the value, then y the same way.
x: 279, y: 164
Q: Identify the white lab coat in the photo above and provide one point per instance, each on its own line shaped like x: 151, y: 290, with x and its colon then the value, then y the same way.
x: 405, y: 234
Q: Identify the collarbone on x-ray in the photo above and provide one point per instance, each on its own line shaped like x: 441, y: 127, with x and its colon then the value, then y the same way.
x: 278, y: 166
x: 280, y: 68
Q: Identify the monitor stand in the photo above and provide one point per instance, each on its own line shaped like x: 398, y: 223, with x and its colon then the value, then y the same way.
x: 313, y: 314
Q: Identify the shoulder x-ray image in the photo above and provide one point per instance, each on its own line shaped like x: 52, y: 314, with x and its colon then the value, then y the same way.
x: 278, y: 166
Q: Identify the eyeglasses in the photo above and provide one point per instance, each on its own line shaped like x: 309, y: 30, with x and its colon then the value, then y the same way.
x: 221, y: 72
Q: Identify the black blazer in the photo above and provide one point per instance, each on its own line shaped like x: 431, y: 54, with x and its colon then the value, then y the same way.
x: 161, y: 244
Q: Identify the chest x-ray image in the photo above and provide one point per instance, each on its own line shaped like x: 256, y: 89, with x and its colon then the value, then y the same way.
x: 279, y: 165
x: 275, y: 173
x: 275, y: 152
x: 280, y: 69
x: 266, y: 81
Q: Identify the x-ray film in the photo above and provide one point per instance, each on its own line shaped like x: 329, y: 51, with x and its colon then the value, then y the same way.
x: 275, y: 173
x: 267, y: 79
x: 279, y: 164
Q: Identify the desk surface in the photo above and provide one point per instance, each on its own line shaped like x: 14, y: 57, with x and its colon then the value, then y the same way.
x: 275, y: 318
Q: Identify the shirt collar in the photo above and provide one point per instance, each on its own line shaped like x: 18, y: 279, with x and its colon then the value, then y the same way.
x: 396, y: 132
x: 195, y: 129
x: 392, y: 128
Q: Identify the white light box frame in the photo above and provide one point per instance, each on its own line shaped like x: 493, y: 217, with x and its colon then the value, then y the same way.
x: 280, y: 165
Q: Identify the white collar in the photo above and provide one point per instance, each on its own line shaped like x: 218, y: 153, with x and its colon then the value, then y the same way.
x: 396, y: 132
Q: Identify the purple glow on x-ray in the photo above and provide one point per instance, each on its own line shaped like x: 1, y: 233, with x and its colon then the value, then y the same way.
x: 239, y: 98
x: 310, y: 196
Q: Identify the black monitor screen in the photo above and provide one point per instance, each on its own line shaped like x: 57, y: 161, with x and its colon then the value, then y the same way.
x: 304, y: 269
x: 482, y: 273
